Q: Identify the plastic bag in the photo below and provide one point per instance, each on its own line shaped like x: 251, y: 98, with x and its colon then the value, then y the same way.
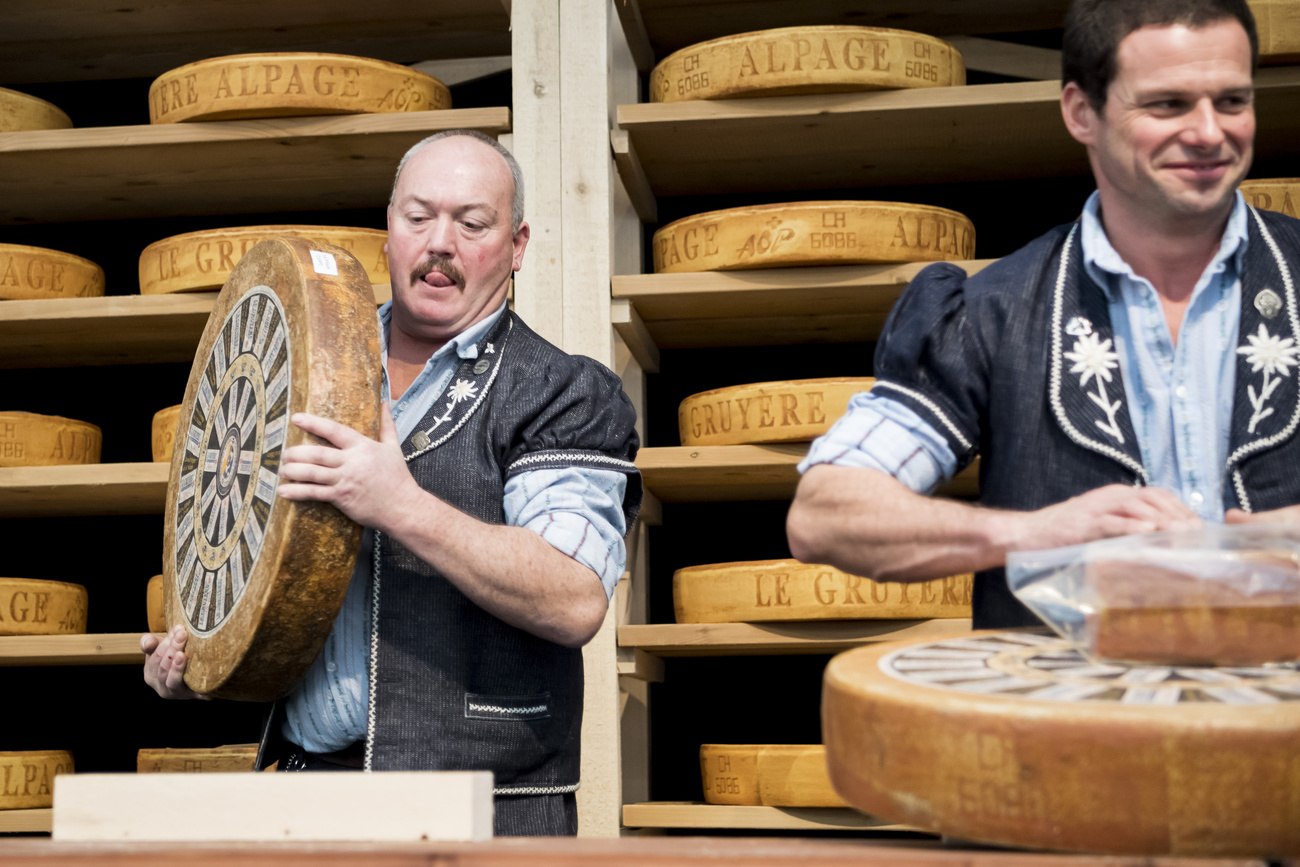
x: 1220, y: 595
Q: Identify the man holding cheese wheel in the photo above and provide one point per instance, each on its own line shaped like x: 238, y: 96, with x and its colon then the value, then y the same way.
x: 1131, y: 372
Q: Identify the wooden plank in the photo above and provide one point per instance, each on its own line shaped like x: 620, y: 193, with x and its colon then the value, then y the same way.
x: 627, y: 322
x: 12, y: 821
x: 247, y: 166
x: 1008, y: 58
x: 641, y: 666
x: 95, y: 649
x: 638, y: 41
x: 95, y: 489
x: 695, y: 814
x: 633, y: 177
x: 652, y: 511
x: 765, y: 639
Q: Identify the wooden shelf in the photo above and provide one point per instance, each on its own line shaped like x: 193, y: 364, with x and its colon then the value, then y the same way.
x: 94, y: 489
x: 931, y: 136
x: 829, y: 304
x: 695, y: 814
x: 244, y: 166
x: 26, y: 820
x: 107, y: 649
x: 767, y: 639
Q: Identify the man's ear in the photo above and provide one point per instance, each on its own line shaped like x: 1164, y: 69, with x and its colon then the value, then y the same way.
x: 1081, y: 119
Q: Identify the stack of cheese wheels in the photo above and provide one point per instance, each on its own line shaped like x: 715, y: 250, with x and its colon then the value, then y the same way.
x: 1273, y: 194
x: 35, y: 273
x: 20, y: 112
x: 801, y: 60
x: 767, y: 412
x: 197, y: 760
x: 31, y: 440
x: 767, y: 775
x: 1278, y: 25
x: 163, y: 433
x: 765, y: 590
x: 1017, y: 739
x: 154, y: 605
x: 286, y: 84
x: 812, y: 233
x: 32, y: 607
x: 27, y: 778
x: 202, y: 261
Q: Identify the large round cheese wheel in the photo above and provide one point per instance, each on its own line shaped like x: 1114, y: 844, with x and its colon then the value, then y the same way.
x: 32, y: 607
x: 285, y: 84
x: 163, y: 432
x: 197, y: 760
x: 201, y: 261
x: 31, y: 440
x: 796, y: 60
x: 1017, y: 739
x: 27, y: 778
x: 812, y: 233
x: 1278, y: 25
x: 760, y: 590
x: 154, y: 605
x: 767, y: 412
x: 767, y: 775
x: 258, y: 580
x: 20, y: 112
x: 30, y: 273
x: 1273, y: 194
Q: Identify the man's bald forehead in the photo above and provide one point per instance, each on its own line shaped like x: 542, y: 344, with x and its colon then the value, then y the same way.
x: 471, y: 144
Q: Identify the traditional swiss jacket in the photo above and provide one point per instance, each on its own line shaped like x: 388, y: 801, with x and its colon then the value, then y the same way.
x: 983, y: 361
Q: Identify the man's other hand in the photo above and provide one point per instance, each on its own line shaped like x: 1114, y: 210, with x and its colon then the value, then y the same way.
x: 164, y: 664
x: 1287, y: 515
x: 1103, y: 513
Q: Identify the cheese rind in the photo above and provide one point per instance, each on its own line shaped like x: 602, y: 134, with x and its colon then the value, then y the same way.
x: 35, y: 273
x: 35, y: 607
x: 20, y: 112
x: 233, y: 758
x: 770, y: 590
x: 812, y: 233
x: 28, y: 439
x: 802, y: 60
x: 767, y: 775
x: 154, y: 605
x: 1273, y: 194
x: 767, y: 412
x: 287, y: 84
x: 27, y: 778
x: 163, y: 431
x: 1278, y: 24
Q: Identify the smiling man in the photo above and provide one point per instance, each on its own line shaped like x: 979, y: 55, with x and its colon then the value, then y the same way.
x: 1130, y: 372
x: 495, y: 501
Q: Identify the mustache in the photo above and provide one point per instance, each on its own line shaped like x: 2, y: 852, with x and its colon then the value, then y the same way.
x: 441, y: 264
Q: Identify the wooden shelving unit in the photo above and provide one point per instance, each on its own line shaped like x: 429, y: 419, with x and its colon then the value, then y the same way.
x: 695, y: 814
x: 93, y: 489
x: 764, y: 639
x: 105, y: 649
x: 40, y: 821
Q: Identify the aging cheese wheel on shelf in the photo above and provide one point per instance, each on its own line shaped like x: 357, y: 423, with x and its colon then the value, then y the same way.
x: 154, y: 605
x: 285, y: 84
x: 812, y: 233
x: 258, y: 580
x: 1278, y: 25
x: 767, y: 412
x: 761, y: 590
x: 20, y: 112
x: 1017, y: 739
x: 32, y: 607
x: 32, y: 273
x: 164, y: 426
x: 799, y: 60
x: 27, y: 778
x: 31, y: 440
x: 201, y: 261
x: 1273, y: 194
x: 210, y: 760
x: 767, y: 775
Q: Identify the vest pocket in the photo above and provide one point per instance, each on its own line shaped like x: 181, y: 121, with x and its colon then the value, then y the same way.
x: 507, y: 707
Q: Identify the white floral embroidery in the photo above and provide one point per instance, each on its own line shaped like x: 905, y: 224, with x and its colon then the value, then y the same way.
x: 490, y: 350
x: 462, y: 390
x: 1272, y: 355
x: 1093, y: 359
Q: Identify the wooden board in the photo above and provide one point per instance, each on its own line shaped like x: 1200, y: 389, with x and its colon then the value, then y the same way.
x: 155, y: 617
x: 26, y: 821
x: 812, y: 233
x: 163, y: 433
x: 196, y: 760
x: 764, y: 639
x: 797, y: 60
x: 1017, y: 739
x: 20, y: 112
x: 27, y: 777
x: 34, y: 272
x: 31, y: 440
x: 36, y: 607
x: 97, y: 489
x: 687, y: 814
x: 287, y: 84
x: 774, y: 590
x: 767, y: 775
x: 1273, y: 194
x: 107, y: 649
x: 767, y: 412
x: 1278, y: 25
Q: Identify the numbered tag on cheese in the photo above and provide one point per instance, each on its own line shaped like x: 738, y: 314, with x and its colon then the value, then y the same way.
x: 34, y: 607
x: 767, y: 775
x: 34, y: 273
x: 20, y: 112
x: 767, y: 412
x: 197, y: 760
x: 1278, y: 25
x: 31, y: 440
x: 27, y: 778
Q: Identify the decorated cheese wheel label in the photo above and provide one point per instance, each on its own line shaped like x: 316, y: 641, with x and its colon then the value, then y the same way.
x: 766, y: 590
x: 1278, y: 25
x: 285, y: 84
x: 767, y: 775
x: 801, y: 60
x: 767, y: 412
x: 154, y: 605
x: 202, y: 261
x: 1273, y: 194
x: 31, y: 440
x: 33, y: 607
x: 210, y: 760
x: 812, y: 233
x: 33, y: 273
x: 27, y: 778
x: 20, y: 112
x: 163, y: 429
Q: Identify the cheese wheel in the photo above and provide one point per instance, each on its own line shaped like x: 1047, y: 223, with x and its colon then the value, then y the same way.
x: 1278, y: 25
x: 767, y: 775
x: 764, y: 590
x: 32, y: 273
x: 766, y: 412
x: 1017, y: 739
x: 201, y: 261
x: 27, y: 778
x: 1273, y: 194
x: 20, y: 112
x: 31, y: 440
x: 812, y: 233
x: 258, y: 580
x: 164, y: 426
x: 286, y: 84
x: 154, y: 605
x: 799, y: 60
x: 211, y: 760
x: 32, y: 607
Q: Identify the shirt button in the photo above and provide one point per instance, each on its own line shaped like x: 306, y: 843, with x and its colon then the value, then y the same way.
x: 1196, y: 499
x: 329, y: 666
x: 1181, y: 391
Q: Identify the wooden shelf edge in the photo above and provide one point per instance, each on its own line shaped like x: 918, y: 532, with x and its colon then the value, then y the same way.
x: 111, y: 648
x: 695, y: 814
x: 92, y: 489
x: 13, y: 821
x: 780, y: 637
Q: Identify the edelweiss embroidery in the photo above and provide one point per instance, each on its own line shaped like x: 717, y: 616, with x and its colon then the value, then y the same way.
x: 1272, y: 355
x: 462, y: 390
x: 1093, y: 359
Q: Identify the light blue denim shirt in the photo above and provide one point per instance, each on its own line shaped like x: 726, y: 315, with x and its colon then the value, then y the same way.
x: 327, y: 710
x: 1180, y: 397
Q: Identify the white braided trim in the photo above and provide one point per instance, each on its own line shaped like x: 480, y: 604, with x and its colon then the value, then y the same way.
x: 541, y: 708
x: 571, y: 457
x: 1241, y: 490
x: 928, y: 404
x: 535, y: 790
x: 487, y: 386
x: 374, y: 656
